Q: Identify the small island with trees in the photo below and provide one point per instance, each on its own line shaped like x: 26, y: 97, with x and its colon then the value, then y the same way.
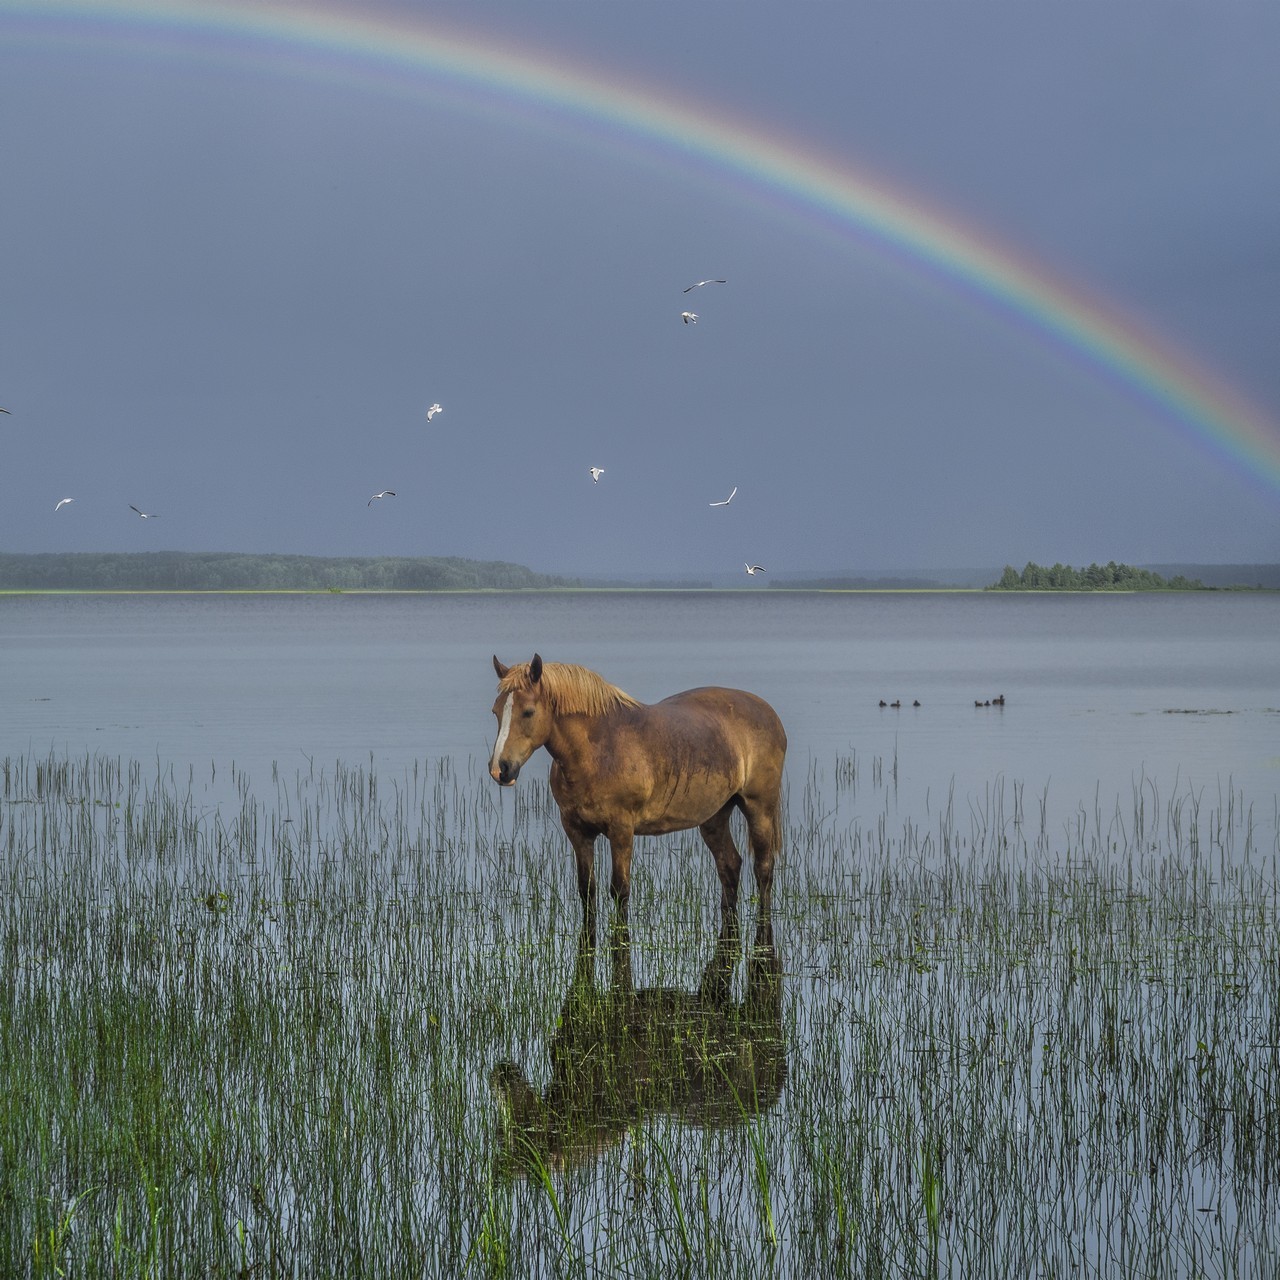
x: 1097, y: 577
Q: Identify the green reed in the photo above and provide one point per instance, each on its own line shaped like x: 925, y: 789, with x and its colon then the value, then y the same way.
x: 254, y: 1036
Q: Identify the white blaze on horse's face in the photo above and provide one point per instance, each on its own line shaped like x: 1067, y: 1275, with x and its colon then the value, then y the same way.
x: 504, y: 730
x: 524, y: 724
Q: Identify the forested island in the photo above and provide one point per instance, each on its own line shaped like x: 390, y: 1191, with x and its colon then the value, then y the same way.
x: 1097, y: 577
x: 230, y: 571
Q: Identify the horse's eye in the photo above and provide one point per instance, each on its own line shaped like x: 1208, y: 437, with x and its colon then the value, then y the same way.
x: 527, y: 713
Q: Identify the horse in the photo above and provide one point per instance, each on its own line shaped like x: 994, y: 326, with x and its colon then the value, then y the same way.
x: 620, y: 1054
x: 622, y: 768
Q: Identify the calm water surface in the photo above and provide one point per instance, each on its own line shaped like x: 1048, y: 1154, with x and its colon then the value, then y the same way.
x: 1065, y: 1040
x: 1102, y: 692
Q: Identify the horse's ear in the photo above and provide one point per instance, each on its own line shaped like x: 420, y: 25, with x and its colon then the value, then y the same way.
x: 535, y: 669
x: 499, y: 668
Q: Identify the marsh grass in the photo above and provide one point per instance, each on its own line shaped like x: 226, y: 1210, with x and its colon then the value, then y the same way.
x: 256, y: 1039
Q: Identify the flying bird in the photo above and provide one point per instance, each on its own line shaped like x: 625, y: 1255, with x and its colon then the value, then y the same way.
x: 726, y: 502
x: 62, y: 504
x: 431, y: 413
x: 4, y: 410
x: 596, y: 473
x: 753, y: 569
x: 145, y: 515
x: 700, y: 283
x: 689, y: 317
x: 386, y: 493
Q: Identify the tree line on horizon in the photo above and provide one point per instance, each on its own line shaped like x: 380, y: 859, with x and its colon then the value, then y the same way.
x: 232, y: 571
x: 1096, y: 577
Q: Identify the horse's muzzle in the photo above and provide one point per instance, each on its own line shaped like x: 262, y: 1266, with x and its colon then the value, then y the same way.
x: 505, y: 774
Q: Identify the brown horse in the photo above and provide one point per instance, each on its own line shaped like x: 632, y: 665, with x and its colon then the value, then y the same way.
x: 623, y: 769
x: 619, y: 1055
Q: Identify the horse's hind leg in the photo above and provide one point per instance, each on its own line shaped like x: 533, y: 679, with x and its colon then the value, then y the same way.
x: 715, y: 831
x: 764, y: 826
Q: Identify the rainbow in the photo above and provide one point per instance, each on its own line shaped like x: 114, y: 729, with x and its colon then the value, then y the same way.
x: 395, y: 49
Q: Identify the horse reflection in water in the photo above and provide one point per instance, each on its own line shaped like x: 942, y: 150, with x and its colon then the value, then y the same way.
x: 620, y: 1055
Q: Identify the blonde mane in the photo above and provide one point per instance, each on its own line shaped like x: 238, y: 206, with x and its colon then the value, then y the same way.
x: 570, y: 689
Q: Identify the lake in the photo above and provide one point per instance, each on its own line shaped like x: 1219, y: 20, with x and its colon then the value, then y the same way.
x: 294, y: 989
x: 1173, y: 692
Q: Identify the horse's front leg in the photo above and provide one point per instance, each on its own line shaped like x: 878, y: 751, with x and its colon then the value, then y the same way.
x: 620, y: 843
x: 584, y: 852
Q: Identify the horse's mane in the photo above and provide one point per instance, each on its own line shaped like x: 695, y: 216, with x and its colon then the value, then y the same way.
x: 571, y: 690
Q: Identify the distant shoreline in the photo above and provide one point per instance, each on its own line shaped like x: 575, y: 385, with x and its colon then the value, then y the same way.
x: 232, y: 573
x: 487, y: 591
x: 776, y: 591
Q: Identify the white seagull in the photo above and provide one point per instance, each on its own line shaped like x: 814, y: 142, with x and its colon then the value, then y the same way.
x: 753, y: 569
x: 143, y: 514
x: 689, y: 317
x: 386, y: 493
x: 726, y: 502
x: 700, y: 283
x: 62, y: 504
x: 431, y: 413
x: 596, y: 473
